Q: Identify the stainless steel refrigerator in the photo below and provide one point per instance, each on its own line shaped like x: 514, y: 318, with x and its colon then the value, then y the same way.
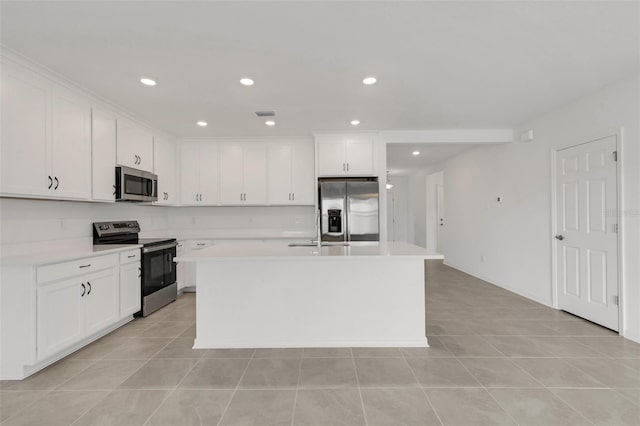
x: 349, y: 209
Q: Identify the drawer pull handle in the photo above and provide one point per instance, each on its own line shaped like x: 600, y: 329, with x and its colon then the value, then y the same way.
x: 50, y: 182
x: 131, y: 255
x: 85, y: 266
x: 84, y: 289
x: 89, y: 284
x: 200, y: 244
x: 57, y: 182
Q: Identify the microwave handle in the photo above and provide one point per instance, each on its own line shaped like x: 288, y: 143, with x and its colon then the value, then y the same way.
x: 154, y: 188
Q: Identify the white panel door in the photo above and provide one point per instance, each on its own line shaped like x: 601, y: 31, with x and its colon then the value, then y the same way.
x: 25, y: 109
x: 101, y: 301
x: 279, y: 176
x: 164, y: 157
x: 303, y: 185
x: 208, y: 171
x: 135, y: 146
x: 189, y: 173
x: 255, y: 174
x: 587, y: 255
x: 130, y: 292
x: 231, y: 174
x: 331, y: 155
x: 60, y: 313
x: 103, y: 135
x: 71, y: 146
x: 359, y: 155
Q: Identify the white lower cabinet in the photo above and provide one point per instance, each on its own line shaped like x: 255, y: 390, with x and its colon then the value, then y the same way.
x: 74, y: 308
x: 187, y: 270
x: 130, y: 292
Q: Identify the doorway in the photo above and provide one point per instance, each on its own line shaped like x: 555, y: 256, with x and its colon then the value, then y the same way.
x: 586, y: 240
x: 435, y: 226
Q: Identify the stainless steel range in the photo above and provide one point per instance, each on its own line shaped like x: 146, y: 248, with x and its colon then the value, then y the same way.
x: 158, y: 270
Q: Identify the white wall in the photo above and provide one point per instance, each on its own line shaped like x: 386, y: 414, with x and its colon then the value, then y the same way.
x: 515, y: 236
x: 398, y: 212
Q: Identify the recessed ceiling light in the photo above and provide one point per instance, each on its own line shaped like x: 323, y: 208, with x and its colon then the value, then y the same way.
x: 202, y: 123
x: 246, y: 81
x: 416, y: 153
x: 355, y: 122
x: 147, y: 81
x: 270, y: 123
x: 369, y: 81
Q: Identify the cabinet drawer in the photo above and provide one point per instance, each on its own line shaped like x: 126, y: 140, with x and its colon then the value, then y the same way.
x: 75, y: 267
x: 130, y: 256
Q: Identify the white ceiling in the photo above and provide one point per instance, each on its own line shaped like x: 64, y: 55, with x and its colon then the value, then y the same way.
x: 401, y: 161
x: 439, y: 64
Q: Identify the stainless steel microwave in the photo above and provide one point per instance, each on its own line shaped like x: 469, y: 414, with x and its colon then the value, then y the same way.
x: 135, y: 185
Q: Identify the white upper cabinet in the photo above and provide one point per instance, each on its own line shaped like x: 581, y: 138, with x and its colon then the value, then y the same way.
x: 71, y: 146
x: 243, y: 173
x: 164, y: 157
x: 198, y: 173
x: 135, y: 146
x: 46, y: 137
x: 345, y: 155
x: 290, y: 173
x: 103, y: 161
x: 25, y: 122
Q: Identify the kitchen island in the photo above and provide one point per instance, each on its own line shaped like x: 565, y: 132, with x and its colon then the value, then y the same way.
x: 270, y: 295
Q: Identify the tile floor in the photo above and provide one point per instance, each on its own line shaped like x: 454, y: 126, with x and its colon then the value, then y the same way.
x: 495, y: 358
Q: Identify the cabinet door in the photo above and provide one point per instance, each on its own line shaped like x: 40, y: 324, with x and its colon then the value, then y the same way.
x: 130, y: 291
x: 70, y: 146
x: 279, y: 174
x: 255, y: 174
x: 103, y: 156
x: 135, y: 146
x: 209, y: 180
x: 303, y: 184
x: 164, y: 154
x: 189, y: 173
x: 231, y: 174
x: 101, y: 301
x: 331, y: 155
x: 60, y: 313
x: 359, y: 155
x: 24, y: 148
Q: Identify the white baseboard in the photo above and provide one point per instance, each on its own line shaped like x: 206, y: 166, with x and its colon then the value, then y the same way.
x: 240, y: 343
x: 501, y: 285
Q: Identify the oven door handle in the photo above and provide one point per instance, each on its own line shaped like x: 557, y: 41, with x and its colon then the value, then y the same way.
x: 158, y: 248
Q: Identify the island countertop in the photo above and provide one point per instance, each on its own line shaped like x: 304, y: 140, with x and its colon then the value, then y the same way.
x: 281, y: 250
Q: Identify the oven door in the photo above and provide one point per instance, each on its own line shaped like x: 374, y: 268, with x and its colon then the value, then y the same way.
x: 158, y: 267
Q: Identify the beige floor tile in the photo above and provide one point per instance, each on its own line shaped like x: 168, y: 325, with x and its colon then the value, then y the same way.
x: 278, y: 353
x: 435, y: 350
x: 57, y: 408
x: 337, y: 407
x: 467, y: 407
x: 611, y: 372
x: 462, y: 346
x: 398, y: 407
x: 229, y: 353
x: 260, y: 408
x: 180, y: 348
x: 123, y: 407
x: 376, y: 352
x: 441, y: 372
x: 601, y: 406
x: 327, y: 353
x: 555, y: 372
x: 49, y: 378
x: 159, y: 374
x: 98, y: 349
x: 167, y: 329
x: 327, y: 373
x: 12, y: 402
x: 537, y: 407
x: 499, y: 372
x: 215, y: 374
x: 187, y: 407
x: 139, y: 349
x: 615, y: 347
x: 271, y: 373
x: 518, y: 346
x: 632, y: 395
x: 103, y: 375
x: 384, y: 372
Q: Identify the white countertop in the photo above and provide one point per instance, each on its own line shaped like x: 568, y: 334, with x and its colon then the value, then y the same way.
x: 281, y: 250
x: 65, y: 253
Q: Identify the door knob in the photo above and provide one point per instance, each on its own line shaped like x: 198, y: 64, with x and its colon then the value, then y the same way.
x: 559, y: 237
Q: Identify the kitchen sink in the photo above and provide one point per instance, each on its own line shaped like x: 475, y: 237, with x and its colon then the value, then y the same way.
x: 312, y: 244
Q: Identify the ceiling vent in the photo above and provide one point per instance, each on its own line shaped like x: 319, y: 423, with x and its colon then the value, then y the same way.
x: 266, y: 113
